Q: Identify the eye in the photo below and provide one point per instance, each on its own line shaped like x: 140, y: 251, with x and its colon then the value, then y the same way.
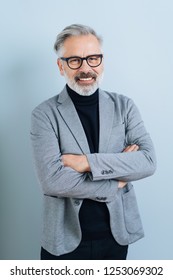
x: 74, y: 61
x: 93, y: 58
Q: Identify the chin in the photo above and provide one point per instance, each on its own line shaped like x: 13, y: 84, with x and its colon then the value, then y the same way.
x: 84, y: 90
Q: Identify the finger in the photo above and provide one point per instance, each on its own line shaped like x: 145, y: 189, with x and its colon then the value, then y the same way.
x: 136, y: 148
x: 131, y: 148
x: 121, y: 184
x: 126, y: 149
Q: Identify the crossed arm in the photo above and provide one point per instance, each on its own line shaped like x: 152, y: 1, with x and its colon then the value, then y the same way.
x: 66, y: 175
x: 80, y: 162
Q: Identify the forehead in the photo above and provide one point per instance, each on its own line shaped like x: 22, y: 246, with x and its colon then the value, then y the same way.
x: 82, y: 45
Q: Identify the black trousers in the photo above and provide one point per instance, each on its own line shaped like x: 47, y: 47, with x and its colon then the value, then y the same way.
x: 102, y: 249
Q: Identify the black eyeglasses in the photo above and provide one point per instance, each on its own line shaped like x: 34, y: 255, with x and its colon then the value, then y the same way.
x: 75, y: 62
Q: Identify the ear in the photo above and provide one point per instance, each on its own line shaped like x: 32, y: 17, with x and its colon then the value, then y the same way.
x: 60, y: 66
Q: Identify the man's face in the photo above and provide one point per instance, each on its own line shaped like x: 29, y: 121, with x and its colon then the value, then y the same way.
x: 86, y: 79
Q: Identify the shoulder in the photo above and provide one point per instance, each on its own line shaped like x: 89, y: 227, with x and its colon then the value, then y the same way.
x: 44, y: 113
x: 123, y: 105
x: 50, y: 105
x: 47, y: 104
x: 116, y: 98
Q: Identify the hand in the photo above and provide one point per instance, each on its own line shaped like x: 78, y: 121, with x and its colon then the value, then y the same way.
x: 131, y: 148
x: 77, y: 162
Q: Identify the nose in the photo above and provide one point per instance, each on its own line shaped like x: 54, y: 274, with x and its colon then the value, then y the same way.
x: 85, y: 67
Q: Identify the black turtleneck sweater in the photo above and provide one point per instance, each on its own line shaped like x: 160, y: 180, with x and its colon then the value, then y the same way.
x: 93, y: 215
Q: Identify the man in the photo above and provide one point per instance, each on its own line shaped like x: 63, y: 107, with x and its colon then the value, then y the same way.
x: 88, y: 146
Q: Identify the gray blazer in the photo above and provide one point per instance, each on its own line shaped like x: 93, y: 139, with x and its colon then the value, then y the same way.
x: 56, y: 130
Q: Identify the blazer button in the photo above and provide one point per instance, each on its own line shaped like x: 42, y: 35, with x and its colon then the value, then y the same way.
x: 101, y: 198
x: 77, y: 202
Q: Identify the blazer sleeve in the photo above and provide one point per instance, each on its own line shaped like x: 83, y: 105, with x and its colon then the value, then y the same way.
x: 127, y: 166
x: 56, y: 179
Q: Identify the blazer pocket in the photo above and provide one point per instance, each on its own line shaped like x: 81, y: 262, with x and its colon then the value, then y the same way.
x: 131, y: 212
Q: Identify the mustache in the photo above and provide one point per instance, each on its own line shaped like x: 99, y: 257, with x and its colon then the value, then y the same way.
x: 83, y: 75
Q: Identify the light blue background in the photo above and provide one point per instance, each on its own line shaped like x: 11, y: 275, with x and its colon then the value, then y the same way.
x: 138, y: 45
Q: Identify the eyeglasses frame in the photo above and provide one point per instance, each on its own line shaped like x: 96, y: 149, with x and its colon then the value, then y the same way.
x: 82, y: 59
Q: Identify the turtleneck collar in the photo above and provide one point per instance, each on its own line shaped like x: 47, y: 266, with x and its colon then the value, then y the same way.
x: 82, y: 100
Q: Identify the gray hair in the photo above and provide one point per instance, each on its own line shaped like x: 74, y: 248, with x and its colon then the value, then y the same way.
x: 73, y: 30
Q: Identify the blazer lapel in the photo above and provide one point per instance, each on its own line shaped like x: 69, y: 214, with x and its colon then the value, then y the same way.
x: 68, y: 112
x: 106, y: 112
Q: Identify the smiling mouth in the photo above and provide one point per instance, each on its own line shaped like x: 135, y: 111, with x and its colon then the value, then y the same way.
x: 85, y: 77
x: 85, y: 81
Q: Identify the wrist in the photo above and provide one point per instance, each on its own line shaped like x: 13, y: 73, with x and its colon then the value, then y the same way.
x: 86, y: 164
